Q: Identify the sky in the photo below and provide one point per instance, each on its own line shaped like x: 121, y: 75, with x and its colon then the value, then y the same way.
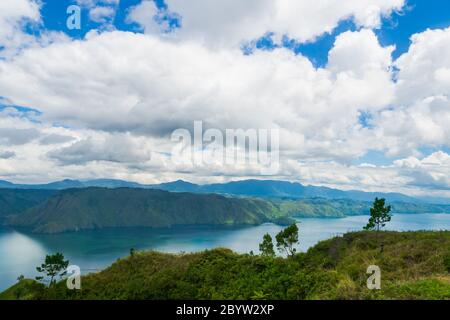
x: 358, y: 90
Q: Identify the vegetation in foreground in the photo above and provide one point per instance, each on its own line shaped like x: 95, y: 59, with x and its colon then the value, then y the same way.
x: 414, y: 265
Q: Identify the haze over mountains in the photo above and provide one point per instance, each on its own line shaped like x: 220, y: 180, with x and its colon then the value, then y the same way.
x: 245, y: 188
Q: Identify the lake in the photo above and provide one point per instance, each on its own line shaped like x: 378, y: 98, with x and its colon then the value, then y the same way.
x: 93, y: 250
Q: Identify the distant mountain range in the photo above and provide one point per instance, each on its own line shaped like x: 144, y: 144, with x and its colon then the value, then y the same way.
x: 244, y: 188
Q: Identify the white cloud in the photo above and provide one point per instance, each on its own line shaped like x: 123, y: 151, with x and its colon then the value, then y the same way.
x: 94, y: 3
x: 228, y: 23
x: 100, y: 11
x: 424, y: 69
x: 127, y: 92
x: 156, y: 86
x: 420, y: 115
x: 430, y: 172
x: 13, y: 16
x: 7, y: 154
x: 112, y: 148
x: 143, y: 14
x: 101, y: 14
x: 360, y: 52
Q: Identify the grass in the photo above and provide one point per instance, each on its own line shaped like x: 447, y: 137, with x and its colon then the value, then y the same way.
x: 414, y: 265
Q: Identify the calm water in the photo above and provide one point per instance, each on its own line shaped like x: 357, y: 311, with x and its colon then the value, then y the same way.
x: 21, y: 252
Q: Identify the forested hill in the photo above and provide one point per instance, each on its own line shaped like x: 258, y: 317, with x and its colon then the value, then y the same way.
x: 50, y: 211
x: 14, y: 201
x: 89, y: 208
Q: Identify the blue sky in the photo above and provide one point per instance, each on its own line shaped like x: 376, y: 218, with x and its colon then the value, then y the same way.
x: 352, y: 112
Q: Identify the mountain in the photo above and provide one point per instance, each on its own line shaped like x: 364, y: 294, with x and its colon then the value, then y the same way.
x: 90, y: 208
x: 282, y: 189
x: 70, y: 184
x: 244, y: 188
x: 14, y: 201
x: 52, y: 211
x: 339, y: 208
x: 7, y: 184
x: 178, y: 186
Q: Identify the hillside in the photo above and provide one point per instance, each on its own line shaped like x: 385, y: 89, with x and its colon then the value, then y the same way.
x: 414, y: 265
x: 90, y: 208
x: 14, y: 201
x: 285, y: 189
x: 51, y: 211
x: 339, y: 208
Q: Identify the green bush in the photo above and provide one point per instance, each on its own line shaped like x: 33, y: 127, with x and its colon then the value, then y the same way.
x: 414, y: 265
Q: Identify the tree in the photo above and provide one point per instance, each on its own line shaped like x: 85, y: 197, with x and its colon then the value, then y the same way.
x: 266, y: 247
x: 53, y: 266
x: 379, y: 215
x: 286, y: 239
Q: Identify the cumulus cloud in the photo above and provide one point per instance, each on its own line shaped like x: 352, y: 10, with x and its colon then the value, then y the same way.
x: 13, y: 18
x: 101, y: 14
x: 112, y: 148
x: 13, y: 136
x: 365, y: 52
x: 430, y: 172
x: 16, y: 19
x: 424, y: 69
x: 228, y: 23
x: 54, y: 138
x: 118, y: 104
x: 93, y: 3
x: 420, y: 113
x: 144, y: 15
x: 161, y: 86
x: 7, y: 154
x: 100, y: 11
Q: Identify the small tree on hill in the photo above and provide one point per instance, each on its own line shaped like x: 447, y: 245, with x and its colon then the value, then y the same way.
x: 53, y: 266
x: 287, y: 239
x: 379, y: 215
x: 266, y: 247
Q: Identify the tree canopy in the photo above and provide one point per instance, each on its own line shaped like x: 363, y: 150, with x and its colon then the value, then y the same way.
x: 379, y: 215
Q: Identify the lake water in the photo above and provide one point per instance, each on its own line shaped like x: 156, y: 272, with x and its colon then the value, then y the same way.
x: 21, y: 252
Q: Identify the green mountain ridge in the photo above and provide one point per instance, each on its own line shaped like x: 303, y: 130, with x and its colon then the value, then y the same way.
x: 339, y: 208
x: 15, y: 201
x: 91, y: 208
x: 244, y: 188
